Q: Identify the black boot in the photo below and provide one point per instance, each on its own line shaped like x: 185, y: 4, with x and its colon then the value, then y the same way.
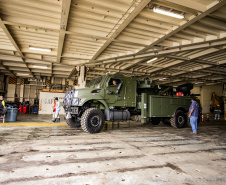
x: 54, y: 120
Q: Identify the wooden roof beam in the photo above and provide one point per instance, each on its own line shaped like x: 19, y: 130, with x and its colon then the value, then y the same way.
x: 126, y: 22
x: 7, y: 69
x: 193, y: 57
x: 189, y: 4
x: 10, y: 37
x: 71, y: 73
x: 66, y: 4
x: 6, y: 31
x: 214, y: 6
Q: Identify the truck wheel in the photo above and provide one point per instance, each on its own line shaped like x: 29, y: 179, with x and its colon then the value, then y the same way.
x: 155, y: 121
x: 180, y: 120
x: 92, y: 120
x: 73, y: 123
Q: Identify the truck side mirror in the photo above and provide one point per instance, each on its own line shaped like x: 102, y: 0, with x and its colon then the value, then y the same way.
x: 118, y: 88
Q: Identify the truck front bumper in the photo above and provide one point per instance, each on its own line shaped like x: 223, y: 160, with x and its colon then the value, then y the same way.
x: 72, y: 110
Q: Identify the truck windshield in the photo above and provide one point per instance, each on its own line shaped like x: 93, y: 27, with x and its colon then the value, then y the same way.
x: 95, y: 81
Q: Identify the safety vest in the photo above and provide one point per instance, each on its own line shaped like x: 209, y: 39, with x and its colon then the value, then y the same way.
x: 3, y: 103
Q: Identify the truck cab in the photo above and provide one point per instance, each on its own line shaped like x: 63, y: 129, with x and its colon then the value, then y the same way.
x: 110, y: 95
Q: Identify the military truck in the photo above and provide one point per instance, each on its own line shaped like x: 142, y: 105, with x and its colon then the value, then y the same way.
x: 118, y: 98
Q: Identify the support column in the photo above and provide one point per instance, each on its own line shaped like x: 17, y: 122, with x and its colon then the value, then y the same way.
x: 81, y: 78
x: 52, y: 80
x: 48, y: 83
x: 11, y: 89
x: 22, y: 90
x: 63, y: 82
x: 143, y: 107
x: 224, y: 94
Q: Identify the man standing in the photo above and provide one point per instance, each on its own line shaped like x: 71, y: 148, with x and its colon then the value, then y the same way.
x: 193, y: 115
x: 217, y: 112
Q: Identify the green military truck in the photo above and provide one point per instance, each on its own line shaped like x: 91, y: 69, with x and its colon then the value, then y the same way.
x: 118, y: 98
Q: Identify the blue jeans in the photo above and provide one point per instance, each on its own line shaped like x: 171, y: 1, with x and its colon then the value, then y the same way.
x: 193, y: 122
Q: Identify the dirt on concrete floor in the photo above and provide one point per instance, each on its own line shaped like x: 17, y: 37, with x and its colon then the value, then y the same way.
x: 132, y: 154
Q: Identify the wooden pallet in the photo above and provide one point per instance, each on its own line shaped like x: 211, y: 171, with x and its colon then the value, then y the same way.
x: 45, y: 90
x: 57, y: 91
x: 54, y: 90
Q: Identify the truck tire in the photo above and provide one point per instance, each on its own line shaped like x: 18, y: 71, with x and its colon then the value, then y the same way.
x: 92, y: 120
x: 180, y: 120
x: 155, y: 121
x: 72, y: 123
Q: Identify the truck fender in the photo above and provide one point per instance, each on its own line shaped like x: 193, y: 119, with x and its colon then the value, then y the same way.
x: 180, y: 108
x: 104, y: 103
x: 99, y: 101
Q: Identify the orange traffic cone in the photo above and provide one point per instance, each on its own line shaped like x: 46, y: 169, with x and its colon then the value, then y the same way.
x: 202, y: 117
x: 207, y: 117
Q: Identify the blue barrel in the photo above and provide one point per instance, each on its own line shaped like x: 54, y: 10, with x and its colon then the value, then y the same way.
x: 12, y: 114
x: 35, y: 111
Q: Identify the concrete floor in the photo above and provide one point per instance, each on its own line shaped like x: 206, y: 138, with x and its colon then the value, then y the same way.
x: 132, y: 154
x: 36, y: 118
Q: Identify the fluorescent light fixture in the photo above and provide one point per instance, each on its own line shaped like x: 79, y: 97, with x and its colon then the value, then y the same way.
x: 39, y: 49
x: 162, y: 78
x: 199, y: 82
x: 175, y: 86
x: 43, y: 67
x: 22, y: 74
x: 152, y: 60
x: 165, y: 12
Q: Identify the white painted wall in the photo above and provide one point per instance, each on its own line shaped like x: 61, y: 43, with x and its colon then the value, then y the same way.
x: 206, y: 92
x: 46, y: 102
x: 81, y: 78
x: 11, y: 92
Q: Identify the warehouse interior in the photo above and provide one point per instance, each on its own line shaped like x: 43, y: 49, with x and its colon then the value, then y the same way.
x: 48, y: 47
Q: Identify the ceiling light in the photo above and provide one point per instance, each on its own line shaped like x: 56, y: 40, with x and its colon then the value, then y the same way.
x: 39, y: 49
x: 165, y: 12
x: 162, y: 78
x: 43, y: 67
x: 24, y: 74
x: 152, y: 60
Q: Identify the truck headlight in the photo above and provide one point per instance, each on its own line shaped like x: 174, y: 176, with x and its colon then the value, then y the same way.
x: 82, y: 100
x: 96, y: 91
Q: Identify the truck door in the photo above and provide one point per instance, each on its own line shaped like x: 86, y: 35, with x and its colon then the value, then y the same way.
x: 115, y: 91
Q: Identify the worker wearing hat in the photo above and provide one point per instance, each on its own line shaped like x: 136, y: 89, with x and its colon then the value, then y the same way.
x: 217, y: 112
